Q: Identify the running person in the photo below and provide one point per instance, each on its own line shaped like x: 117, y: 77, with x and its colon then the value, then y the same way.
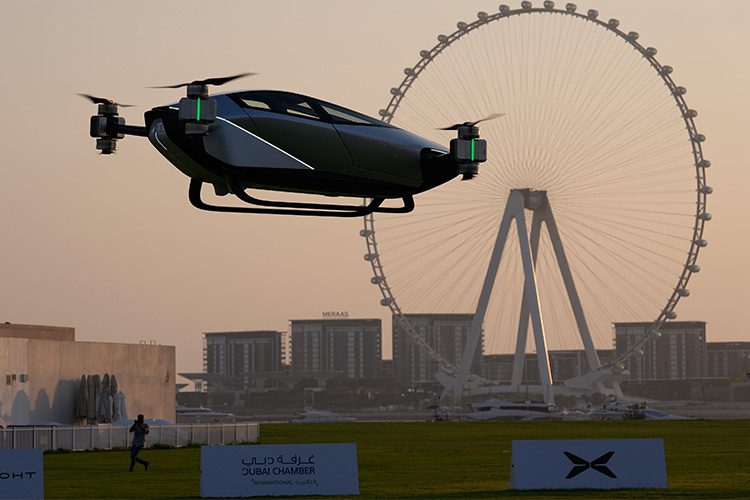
x: 139, y: 430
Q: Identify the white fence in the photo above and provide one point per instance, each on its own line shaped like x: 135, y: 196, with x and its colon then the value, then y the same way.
x: 92, y: 437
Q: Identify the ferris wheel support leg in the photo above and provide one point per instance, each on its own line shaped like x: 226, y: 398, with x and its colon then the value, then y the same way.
x: 618, y: 390
x: 513, y: 207
x: 531, y: 294
x: 523, y: 321
x: 570, y: 287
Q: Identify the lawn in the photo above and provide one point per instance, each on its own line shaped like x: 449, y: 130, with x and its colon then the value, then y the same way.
x: 705, y: 459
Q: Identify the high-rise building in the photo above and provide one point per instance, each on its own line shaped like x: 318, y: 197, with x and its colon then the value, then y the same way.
x: 348, y: 348
x: 727, y: 359
x: 678, y: 354
x: 447, y: 334
x: 244, y: 353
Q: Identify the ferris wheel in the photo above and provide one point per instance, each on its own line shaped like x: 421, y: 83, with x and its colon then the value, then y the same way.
x: 590, y: 208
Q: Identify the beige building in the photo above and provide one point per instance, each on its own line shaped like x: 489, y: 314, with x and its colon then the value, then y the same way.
x: 347, y: 347
x: 41, y: 368
x: 678, y: 354
x: 447, y: 334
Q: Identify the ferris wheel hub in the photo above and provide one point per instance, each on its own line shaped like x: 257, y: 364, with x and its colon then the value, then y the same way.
x: 532, y: 199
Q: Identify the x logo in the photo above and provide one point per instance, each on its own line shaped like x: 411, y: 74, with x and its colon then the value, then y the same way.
x: 597, y: 464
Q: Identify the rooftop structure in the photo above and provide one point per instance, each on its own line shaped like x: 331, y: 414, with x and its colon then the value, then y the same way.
x: 41, y: 332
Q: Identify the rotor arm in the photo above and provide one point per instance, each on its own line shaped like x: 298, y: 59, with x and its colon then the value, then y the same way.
x: 137, y: 130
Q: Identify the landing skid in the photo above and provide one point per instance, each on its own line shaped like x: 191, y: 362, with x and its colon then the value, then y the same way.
x: 293, y: 208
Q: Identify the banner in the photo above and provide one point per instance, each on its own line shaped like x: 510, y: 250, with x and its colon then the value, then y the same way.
x: 265, y: 470
x: 21, y: 474
x: 588, y: 463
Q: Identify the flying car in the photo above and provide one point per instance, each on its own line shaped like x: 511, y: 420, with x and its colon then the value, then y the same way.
x: 276, y: 140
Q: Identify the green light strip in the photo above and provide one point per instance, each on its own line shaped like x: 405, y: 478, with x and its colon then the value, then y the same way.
x: 472, y: 150
x: 198, y: 118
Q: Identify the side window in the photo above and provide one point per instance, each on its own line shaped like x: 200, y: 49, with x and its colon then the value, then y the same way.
x: 255, y: 103
x: 349, y: 117
x: 300, y: 108
x: 278, y: 102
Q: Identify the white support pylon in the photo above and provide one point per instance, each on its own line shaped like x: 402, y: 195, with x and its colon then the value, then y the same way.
x: 523, y: 320
x: 514, y: 210
x: 520, y: 200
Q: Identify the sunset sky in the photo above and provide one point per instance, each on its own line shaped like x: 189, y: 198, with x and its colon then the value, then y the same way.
x: 111, y: 245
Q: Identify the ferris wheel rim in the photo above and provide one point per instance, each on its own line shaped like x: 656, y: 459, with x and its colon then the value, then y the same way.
x: 677, y: 92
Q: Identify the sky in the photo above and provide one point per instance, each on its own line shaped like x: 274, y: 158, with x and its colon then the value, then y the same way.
x: 111, y: 245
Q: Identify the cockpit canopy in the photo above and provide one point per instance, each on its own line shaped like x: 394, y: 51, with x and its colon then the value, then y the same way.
x: 302, y: 106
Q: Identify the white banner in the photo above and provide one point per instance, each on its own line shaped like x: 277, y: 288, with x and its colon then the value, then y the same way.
x: 264, y: 470
x: 588, y: 463
x: 22, y: 474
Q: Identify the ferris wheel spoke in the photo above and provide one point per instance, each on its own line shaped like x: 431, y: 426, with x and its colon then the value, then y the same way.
x: 624, y: 210
x: 615, y: 275
x: 620, y: 241
x: 616, y: 219
x: 618, y: 300
x: 596, y: 99
x: 613, y: 132
x: 630, y: 191
x: 646, y: 175
x: 429, y: 226
x: 471, y: 230
x: 606, y: 167
x: 629, y: 156
x: 598, y: 292
x: 635, y: 267
x: 619, y: 223
x: 441, y: 267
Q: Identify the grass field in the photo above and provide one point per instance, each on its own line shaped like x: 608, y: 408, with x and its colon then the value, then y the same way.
x: 705, y: 459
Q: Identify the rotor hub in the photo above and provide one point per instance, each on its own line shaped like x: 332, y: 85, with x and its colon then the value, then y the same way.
x: 108, y: 109
x: 468, y: 132
x: 195, y: 91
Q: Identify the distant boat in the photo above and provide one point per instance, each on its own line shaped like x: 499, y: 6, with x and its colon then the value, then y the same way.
x: 201, y: 415
x: 615, y: 409
x: 498, y: 409
x: 310, y: 415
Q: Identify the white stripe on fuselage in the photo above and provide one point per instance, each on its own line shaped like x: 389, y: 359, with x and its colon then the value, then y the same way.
x: 156, y: 136
x: 260, y: 139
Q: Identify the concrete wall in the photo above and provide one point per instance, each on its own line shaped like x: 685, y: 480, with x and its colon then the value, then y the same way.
x: 53, y: 369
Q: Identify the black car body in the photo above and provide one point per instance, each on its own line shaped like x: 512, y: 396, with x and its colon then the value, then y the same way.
x: 283, y: 141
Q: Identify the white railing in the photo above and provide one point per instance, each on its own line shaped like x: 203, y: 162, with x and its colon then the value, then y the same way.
x: 104, y: 437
